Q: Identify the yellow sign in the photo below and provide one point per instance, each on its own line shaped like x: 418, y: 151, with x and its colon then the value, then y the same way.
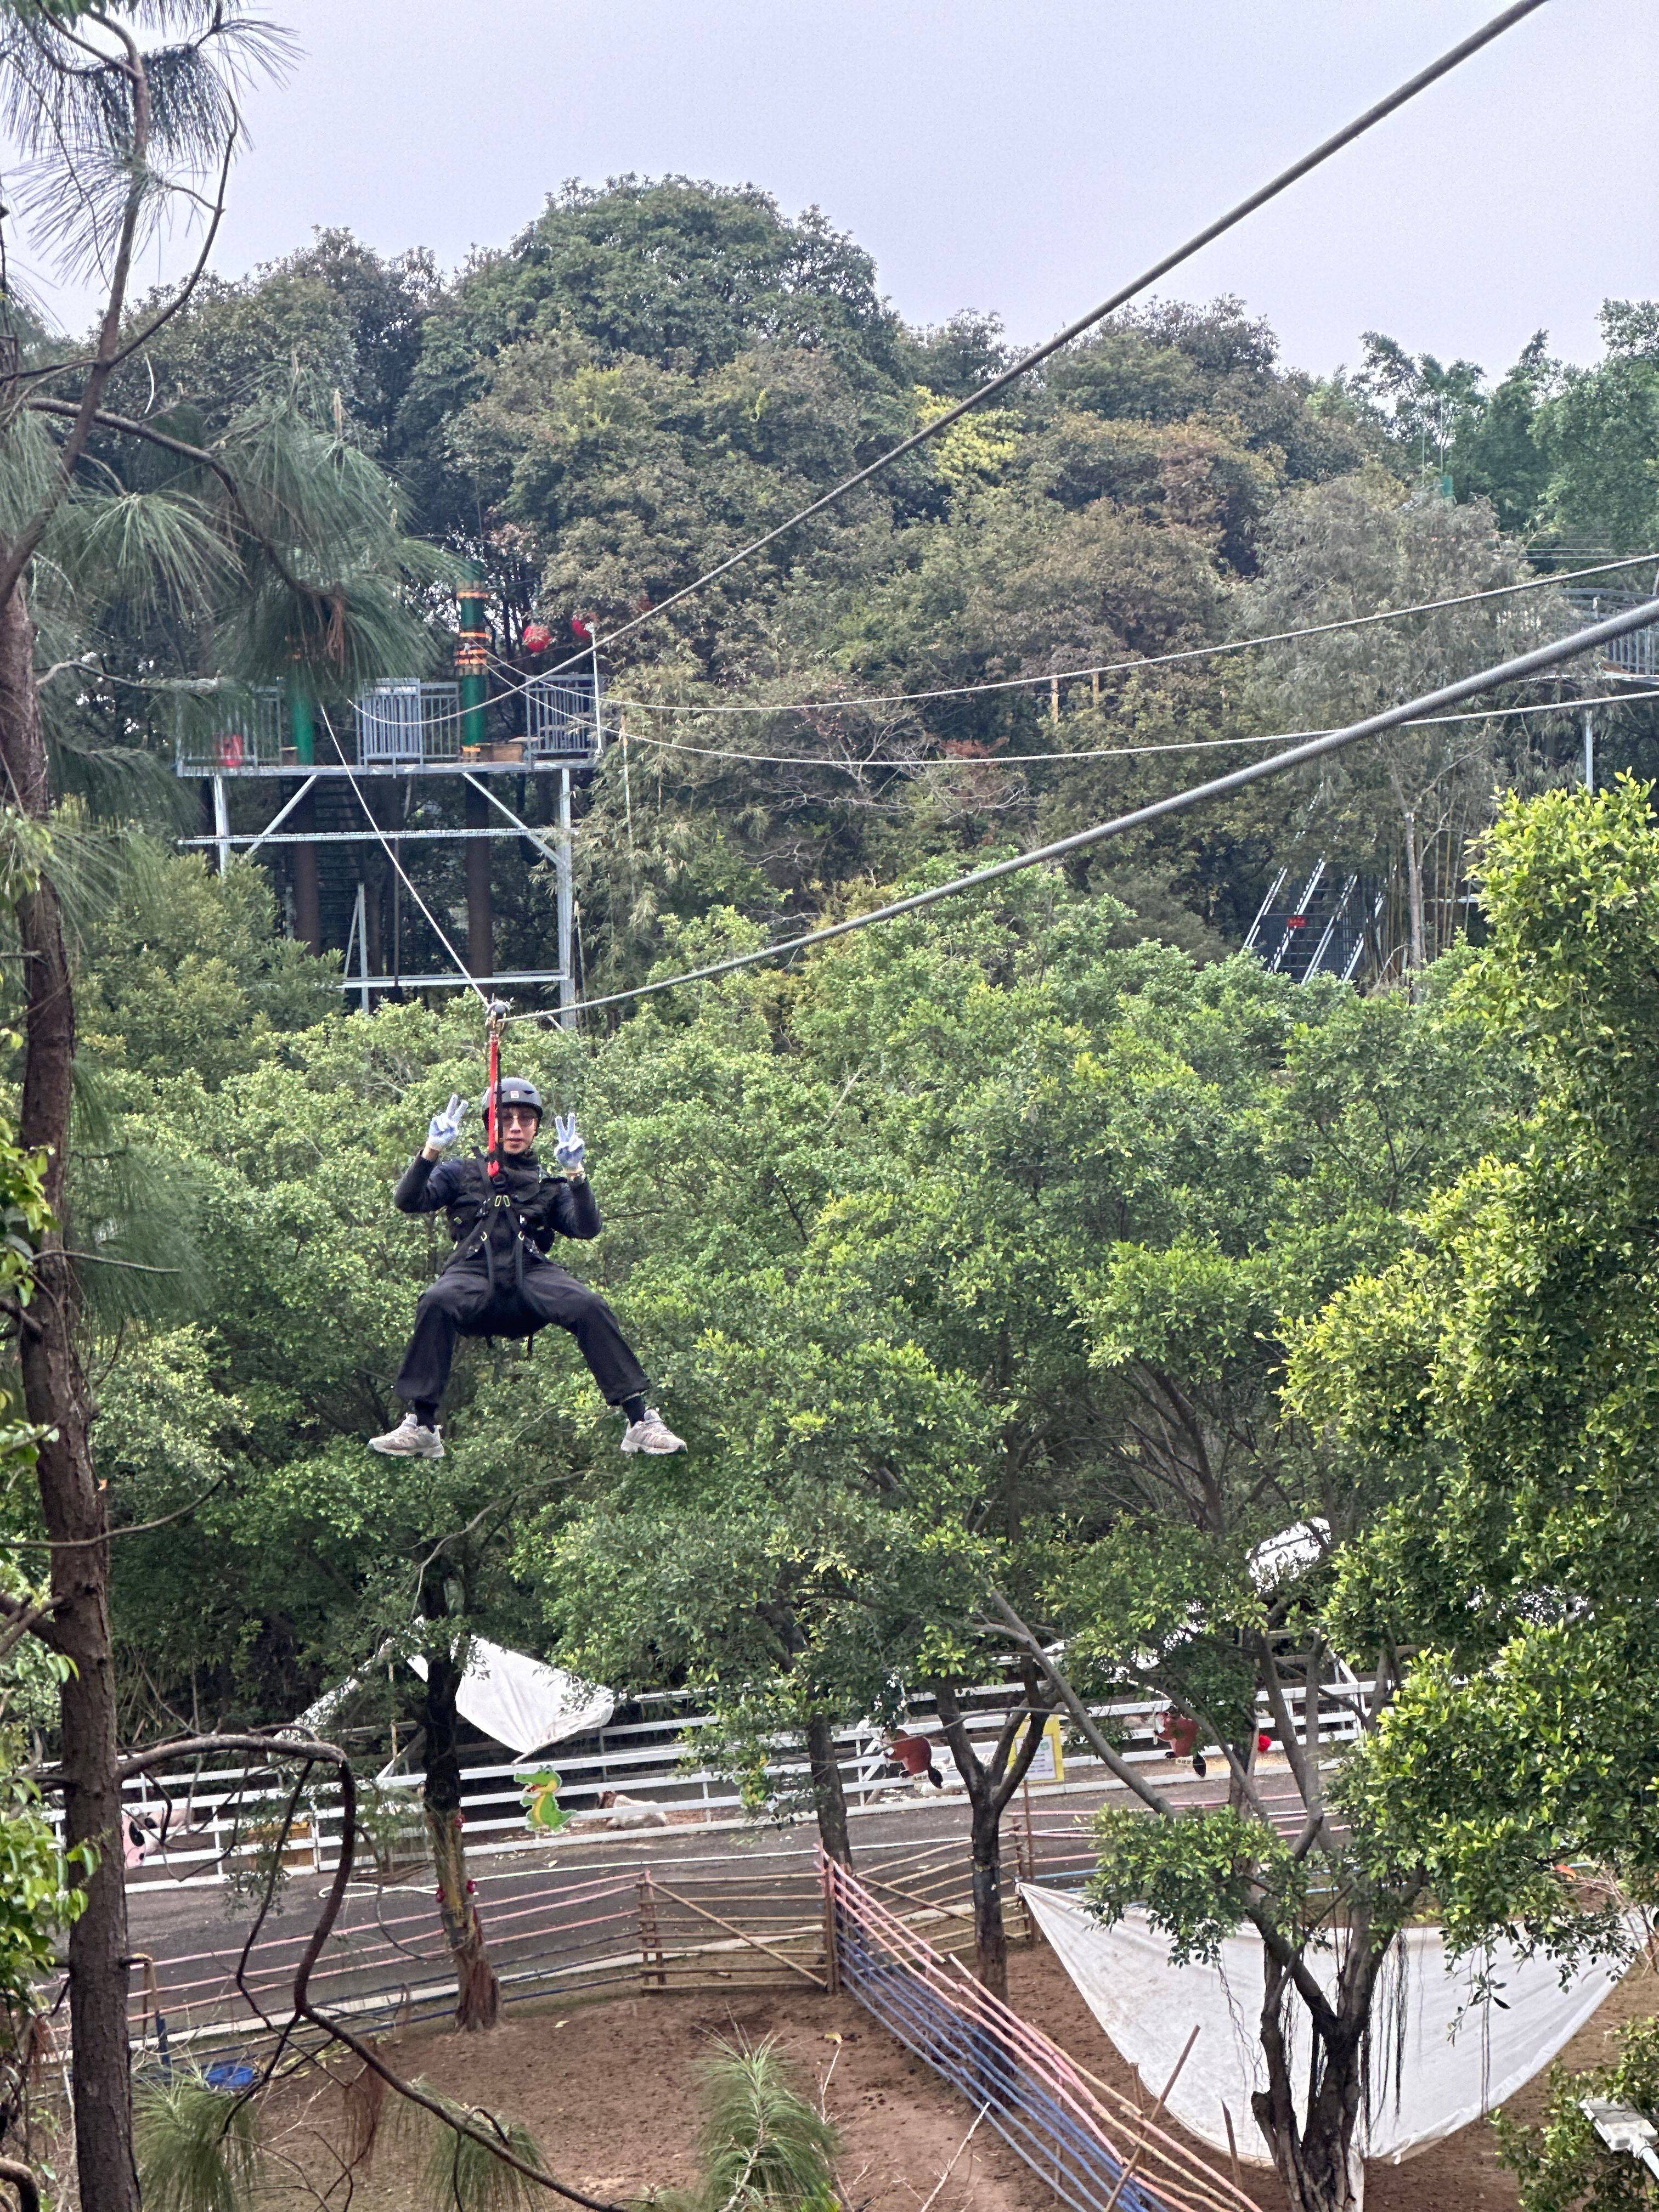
x: 1049, y: 1764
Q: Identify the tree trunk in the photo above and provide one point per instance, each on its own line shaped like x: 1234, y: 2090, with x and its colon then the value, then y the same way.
x: 480, y: 912
x: 1414, y: 895
x: 307, y: 899
x: 477, y: 1991
x: 56, y: 1396
x: 990, y: 1932
x: 1315, y: 2162
x: 828, y: 1796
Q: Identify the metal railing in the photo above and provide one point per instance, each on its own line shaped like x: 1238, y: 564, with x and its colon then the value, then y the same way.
x: 610, y: 1926
x: 230, y: 730
x: 405, y: 724
x: 561, y: 718
x: 1636, y: 653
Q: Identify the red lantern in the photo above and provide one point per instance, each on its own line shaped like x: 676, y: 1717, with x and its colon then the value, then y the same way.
x: 537, y: 637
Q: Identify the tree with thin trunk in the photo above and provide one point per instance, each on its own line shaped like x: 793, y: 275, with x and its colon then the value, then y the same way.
x: 477, y: 1991
x: 991, y: 1779
x: 113, y: 148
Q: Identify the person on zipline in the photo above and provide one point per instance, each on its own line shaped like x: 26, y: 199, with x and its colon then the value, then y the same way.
x: 504, y: 1210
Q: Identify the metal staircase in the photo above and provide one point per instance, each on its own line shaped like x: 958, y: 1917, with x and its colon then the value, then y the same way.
x: 1321, y: 932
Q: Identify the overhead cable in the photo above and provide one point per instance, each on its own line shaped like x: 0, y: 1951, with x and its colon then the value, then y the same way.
x: 1117, y: 668
x: 1361, y: 123
x: 852, y: 767
x: 1221, y: 786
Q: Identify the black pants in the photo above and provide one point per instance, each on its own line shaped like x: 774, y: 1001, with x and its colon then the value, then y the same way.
x: 462, y: 1303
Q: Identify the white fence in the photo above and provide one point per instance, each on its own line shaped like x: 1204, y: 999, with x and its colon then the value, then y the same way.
x: 220, y: 1823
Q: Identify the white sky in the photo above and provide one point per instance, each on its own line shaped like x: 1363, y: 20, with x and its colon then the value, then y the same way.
x: 1023, y: 156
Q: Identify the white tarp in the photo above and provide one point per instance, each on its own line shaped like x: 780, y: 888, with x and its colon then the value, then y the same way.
x: 1462, y: 2056
x: 517, y: 1701
x: 521, y: 1702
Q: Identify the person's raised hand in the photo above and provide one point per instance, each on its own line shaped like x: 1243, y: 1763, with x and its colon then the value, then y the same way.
x: 568, y: 1150
x: 445, y: 1127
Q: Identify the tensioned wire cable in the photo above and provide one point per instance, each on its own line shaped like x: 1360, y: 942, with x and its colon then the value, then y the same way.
x: 1526, y: 665
x: 523, y: 683
x: 1298, y: 169
x: 461, y: 968
x: 1117, y: 668
x: 947, y: 761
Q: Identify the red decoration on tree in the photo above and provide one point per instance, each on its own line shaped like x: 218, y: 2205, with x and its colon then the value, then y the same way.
x: 537, y: 637
x: 579, y: 624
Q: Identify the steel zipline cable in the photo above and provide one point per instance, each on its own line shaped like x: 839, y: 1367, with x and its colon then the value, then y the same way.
x: 1106, y: 667
x: 1298, y: 169
x: 946, y: 762
x: 1525, y: 665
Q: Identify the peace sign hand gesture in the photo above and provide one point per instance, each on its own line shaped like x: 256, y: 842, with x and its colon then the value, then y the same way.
x: 568, y: 1150
x: 446, y: 1126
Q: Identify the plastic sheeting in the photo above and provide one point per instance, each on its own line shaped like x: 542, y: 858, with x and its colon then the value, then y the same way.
x: 521, y: 1702
x: 1441, y: 2055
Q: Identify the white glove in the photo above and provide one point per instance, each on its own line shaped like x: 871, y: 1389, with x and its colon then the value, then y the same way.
x: 446, y: 1126
x: 568, y: 1150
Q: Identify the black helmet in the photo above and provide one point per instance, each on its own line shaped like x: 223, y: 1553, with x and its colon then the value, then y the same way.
x: 513, y: 1090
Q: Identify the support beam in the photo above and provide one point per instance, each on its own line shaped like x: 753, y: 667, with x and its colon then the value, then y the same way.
x: 281, y: 815
x: 220, y: 823
x: 564, y: 876
x: 557, y: 855
x: 364, y: 836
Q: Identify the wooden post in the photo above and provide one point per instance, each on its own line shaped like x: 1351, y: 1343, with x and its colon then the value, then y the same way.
x: 653, y: 1966
x: 1053, y: 700
x: 1134, y: 2160
x: 1232, y: 2147
x: 831, y: 1946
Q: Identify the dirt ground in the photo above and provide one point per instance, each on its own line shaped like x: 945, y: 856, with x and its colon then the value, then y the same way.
x: 609, y: 2091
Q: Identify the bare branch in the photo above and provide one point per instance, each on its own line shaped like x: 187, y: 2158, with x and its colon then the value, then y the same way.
x: 130, y: 1528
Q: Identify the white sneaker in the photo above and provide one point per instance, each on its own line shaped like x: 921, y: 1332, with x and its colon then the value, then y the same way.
x: 409, y: 1440
x: 653, y: 1435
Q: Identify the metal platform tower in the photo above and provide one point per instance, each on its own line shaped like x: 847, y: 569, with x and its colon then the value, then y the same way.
x: 297, y: 757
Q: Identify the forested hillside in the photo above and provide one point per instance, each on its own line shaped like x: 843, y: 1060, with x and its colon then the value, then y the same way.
x: 654, y: 373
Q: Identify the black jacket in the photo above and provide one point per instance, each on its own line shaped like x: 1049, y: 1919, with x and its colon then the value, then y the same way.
x: 534, y: 1208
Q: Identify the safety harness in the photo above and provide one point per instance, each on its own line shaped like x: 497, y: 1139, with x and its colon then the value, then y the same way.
x: 499, y: 1198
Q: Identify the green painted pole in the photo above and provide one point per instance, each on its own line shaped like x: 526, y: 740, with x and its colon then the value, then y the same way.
x: 308, y: 890
x: 472, y: 662
x: 301, y: 723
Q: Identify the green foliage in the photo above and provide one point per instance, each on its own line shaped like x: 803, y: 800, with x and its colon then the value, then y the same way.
x: 1559, y: 2164
x: 39, y: 1887
x: 1505, y: 1376
x: 185, y: 969
x: 763, y: 2147
x: 1197, y: 1879
x: 466, y: 2175
x: 197, y: 2146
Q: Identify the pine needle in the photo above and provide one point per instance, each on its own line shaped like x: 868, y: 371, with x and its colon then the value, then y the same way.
x: 197, y: 2146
